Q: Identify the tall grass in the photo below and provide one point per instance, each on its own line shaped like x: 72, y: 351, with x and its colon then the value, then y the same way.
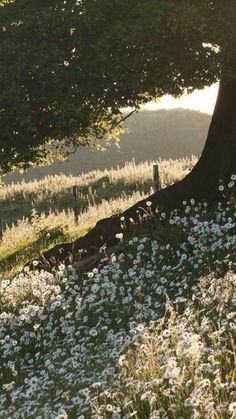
x: 54, y: 193
x: 43, y: 210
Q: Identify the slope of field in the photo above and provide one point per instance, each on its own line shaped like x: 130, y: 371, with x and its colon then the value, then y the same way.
x: 42, y: 211
x: 165, y: 134
x: 150, y: 333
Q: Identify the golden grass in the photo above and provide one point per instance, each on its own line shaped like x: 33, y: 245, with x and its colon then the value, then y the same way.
x: 128, y: 184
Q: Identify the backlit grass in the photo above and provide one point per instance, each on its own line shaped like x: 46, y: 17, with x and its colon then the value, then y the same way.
x: 42, y: 211
x: 150, y: 333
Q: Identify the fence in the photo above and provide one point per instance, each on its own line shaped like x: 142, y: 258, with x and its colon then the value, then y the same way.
x: 1, y: 225
x: 156, y: 187
x: 156, y: 178
x: 155, y: 182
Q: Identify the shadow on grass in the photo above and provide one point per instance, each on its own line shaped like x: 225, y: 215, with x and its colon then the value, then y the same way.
x: 14, y: 260
x: 11, y: 264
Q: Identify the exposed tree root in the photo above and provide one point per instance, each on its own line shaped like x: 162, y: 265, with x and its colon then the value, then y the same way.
x: 217, y: 162
x: 105, y: 231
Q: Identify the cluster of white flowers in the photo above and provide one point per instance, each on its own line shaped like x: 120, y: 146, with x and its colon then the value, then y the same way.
x: 183, y: 363
x: 64, y: 339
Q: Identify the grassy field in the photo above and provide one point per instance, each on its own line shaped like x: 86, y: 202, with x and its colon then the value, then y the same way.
x: 42, y: 211
x: 165, y: 134
x: 150, y: 333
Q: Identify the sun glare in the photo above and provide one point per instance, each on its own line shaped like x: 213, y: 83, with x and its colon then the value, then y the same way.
x: 200, y: 100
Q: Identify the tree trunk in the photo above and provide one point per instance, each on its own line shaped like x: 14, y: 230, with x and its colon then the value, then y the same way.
x: 217, y: 163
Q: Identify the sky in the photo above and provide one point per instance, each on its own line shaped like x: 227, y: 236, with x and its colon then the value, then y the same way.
x: 200, y: 100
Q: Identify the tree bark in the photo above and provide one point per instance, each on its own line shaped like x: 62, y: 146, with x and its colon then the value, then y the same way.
x: 217, y: 163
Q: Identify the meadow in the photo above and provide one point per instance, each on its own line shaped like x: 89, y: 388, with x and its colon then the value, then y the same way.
x: 39, y: 214
x: 150, y: 135
x: 149, y: 333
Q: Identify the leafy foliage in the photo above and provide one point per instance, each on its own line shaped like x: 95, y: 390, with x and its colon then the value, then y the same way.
x: 151, y: 135
x: 69, y: 67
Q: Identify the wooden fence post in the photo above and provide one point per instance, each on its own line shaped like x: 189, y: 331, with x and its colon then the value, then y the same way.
x: 75, y: 205
x: 1, y: 225
x: 156, y: 178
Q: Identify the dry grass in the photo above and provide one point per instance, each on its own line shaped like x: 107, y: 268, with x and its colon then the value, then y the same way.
x: 43, y: 210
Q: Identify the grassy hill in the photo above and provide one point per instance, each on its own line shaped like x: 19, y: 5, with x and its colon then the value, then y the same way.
x: 149, y: 333
x: 165, y: 134
x: 42, y: 211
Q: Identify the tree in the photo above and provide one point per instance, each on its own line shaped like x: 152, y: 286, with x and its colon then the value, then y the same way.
x: 69, y: 67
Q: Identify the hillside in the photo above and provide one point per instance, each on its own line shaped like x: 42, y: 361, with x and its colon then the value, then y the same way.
x: 151, y: 135
x: 148, y: 334
x: 42, y: 211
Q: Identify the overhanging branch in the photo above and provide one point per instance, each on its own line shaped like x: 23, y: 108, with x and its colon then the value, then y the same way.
x: 123, y: 118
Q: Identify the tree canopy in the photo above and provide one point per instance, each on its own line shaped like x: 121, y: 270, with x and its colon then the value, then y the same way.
x: 68, y: 68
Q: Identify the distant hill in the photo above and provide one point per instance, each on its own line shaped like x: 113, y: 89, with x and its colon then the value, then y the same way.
x: 152, y: 135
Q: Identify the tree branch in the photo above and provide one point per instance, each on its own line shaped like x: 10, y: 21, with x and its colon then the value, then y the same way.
x: 123, y: 119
